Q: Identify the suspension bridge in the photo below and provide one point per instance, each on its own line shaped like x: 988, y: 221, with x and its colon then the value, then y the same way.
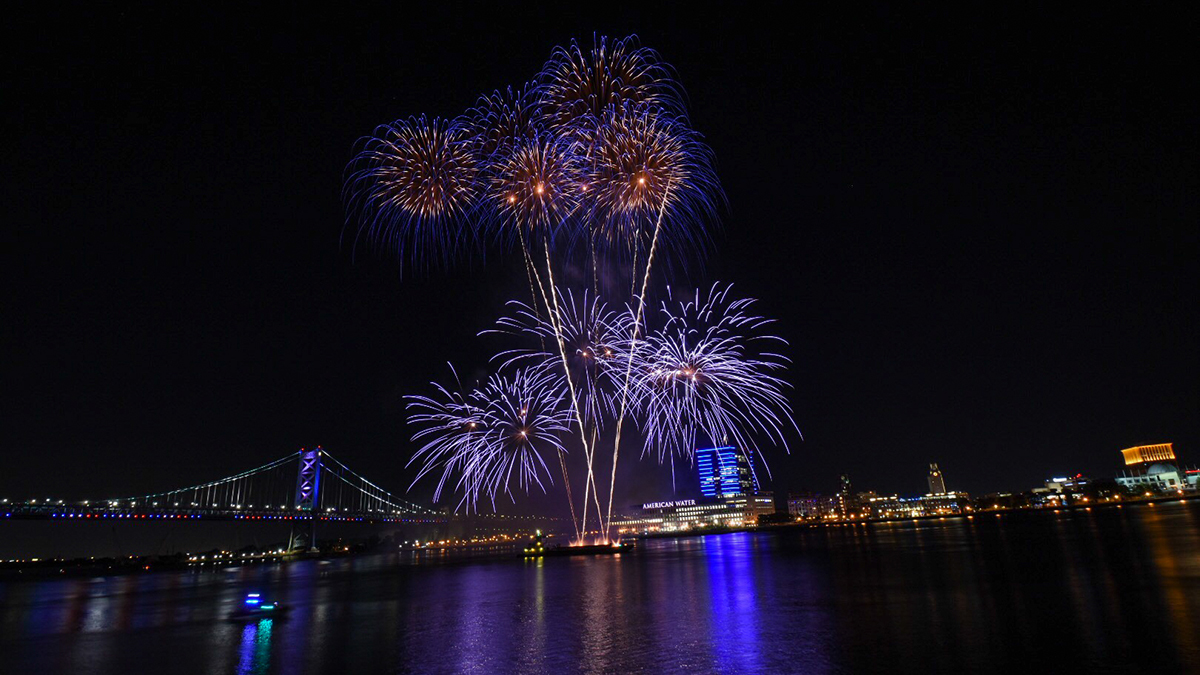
x: 309, y: 485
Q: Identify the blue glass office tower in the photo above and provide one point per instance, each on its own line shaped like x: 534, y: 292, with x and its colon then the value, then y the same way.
x: 725, y: 472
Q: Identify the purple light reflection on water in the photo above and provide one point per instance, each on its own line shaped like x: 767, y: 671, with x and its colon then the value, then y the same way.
x: 986, y: 595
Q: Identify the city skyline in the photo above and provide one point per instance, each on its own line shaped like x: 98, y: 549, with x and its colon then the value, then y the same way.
x: 665, y: 338
x: 1007, y: 310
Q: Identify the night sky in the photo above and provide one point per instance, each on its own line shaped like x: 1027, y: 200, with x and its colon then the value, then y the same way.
x: 978, y: 233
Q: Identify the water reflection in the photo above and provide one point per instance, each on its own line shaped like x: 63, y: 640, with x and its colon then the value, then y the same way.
x: 1103, y: 588
x: 255, y: 657
x: 733, y: 610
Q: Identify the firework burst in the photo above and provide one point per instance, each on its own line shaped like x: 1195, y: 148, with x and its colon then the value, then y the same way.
x: 649, y: 163
x: 707, y: 375
x: 498, y: 435
x: 450, y: 428
x: 412, y: 187
x: 578, y: 84
x: 592, y: 336
x: 535, y: 185
x: 502, y: 120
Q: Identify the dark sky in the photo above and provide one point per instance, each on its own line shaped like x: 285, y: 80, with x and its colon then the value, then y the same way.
x: 978, y: 232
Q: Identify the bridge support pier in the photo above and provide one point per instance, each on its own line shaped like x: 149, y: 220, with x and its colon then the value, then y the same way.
x: 308, y: 497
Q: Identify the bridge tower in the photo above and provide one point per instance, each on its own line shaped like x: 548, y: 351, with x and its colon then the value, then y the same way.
x: 308, y: 497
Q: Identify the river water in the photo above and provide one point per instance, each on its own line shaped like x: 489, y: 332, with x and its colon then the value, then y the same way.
x: 1107, y: 590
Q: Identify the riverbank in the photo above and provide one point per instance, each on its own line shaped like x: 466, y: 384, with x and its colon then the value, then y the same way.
x: 970, y: 515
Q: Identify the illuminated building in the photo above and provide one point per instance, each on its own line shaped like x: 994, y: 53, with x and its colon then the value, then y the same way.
x: 687, y: 514
x: 1152, y: 468
x: 894, y: 507
x: 807, y: 506
x: 725, y: 472
x: 730, y: 498
x: 1141, y: 457
x: 846, y: 501
x: 945, y: 503
x: 937, y: 482
x: 1161, y: 477
x: 1068, y: 485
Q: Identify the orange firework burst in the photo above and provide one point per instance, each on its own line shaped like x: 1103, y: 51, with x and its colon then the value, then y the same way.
x: 412, y: 187
x: 536, y: 185
x: 647, y: 162
x: 578, y: 85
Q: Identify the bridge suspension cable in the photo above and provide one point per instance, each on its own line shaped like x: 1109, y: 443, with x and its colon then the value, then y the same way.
x: 231, y: 491
x: 364, y: 495
x: 274, y: 487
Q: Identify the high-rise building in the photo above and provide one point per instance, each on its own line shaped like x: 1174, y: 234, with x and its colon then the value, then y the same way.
x: 725, y: 472
x: 731, y: 497
x: 937, y: 482
x: 846, y: 501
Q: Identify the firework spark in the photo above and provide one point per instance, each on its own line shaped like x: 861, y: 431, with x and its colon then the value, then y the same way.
x: 499, y: 433
x: 646, y: 163
x: 412, y: 186
x: 450, y: 427
x: 592, y: 336
x: 707, y: 375
x: 535, y: 185
x: 502, y: 120
x: 578, y: 85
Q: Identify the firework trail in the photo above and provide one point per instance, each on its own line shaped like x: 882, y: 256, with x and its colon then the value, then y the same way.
x: 708, y: 375
x: 650, y: 165
x: 533, y: 183
x: 593, y: 336
x: 498, y: 434
x: 596, y: 150
x: 412, y: 188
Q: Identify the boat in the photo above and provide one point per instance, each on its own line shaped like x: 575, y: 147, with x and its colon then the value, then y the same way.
x: 256, y: 607
x: 537, y: 548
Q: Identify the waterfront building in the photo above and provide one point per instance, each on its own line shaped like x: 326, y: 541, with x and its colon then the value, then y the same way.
x: 730, y: 497
x: 846, y: 502
x: 686, y: 514
x: 725, y: 472
x: 937, y: 482
x: 1068, y: 485
x: 1159, y: 477
x: 945, y: 504
x: 894, y: 506
x: 1139, y: 458
x: 1154, y: 468
x: 808, y: 506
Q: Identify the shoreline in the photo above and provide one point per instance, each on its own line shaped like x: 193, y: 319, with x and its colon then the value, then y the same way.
x: 810, y: 524
x: 41, y: 570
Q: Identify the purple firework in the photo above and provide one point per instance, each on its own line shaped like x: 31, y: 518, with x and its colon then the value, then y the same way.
x: 650, y: 168
x: 412, y: 188
x: 707, y: 376
x: 499, y: 434
x: 593, y: 337
x: 578, y: 84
